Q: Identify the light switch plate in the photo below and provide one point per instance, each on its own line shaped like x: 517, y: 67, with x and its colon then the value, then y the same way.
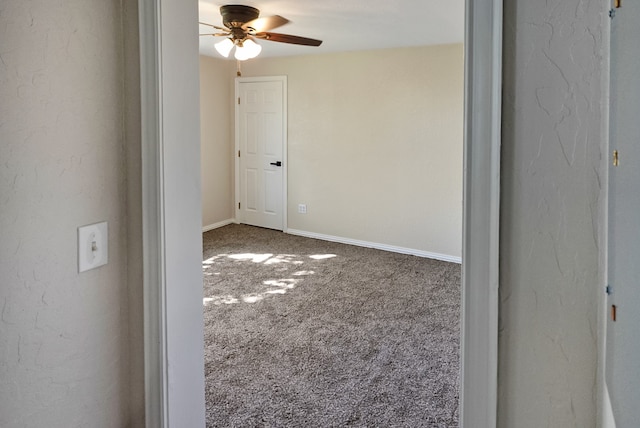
x: 93, y: 246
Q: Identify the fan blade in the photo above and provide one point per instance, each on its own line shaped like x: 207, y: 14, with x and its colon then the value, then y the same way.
x: 287, y: 38
x: 265, y: 24
x: 216, y: 34
x: 214, y: 26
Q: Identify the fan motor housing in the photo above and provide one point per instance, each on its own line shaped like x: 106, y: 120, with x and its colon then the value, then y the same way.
x: 236, y: 15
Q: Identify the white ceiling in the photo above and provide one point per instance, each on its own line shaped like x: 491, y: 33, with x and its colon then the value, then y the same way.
x: 348, y: 25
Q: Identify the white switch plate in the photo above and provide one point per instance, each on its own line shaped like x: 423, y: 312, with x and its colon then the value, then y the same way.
x: 302, y: 208
x: 93, y: 246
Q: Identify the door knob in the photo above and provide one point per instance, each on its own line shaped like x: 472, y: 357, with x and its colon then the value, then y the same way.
x: 276, y: 163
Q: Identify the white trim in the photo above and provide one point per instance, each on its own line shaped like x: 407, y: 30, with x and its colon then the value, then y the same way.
x: 154, y: 278
x: 217, y: 225
x: 285, y: 142
x: 604, y: 409
x: 172, y: 269
x: 481, y: 225
x: 377, y: 246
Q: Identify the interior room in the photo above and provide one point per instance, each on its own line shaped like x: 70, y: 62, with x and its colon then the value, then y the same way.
x: 373, y: 158
x: 374, y: 136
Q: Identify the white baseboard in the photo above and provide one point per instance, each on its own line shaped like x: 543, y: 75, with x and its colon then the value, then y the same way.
x: 217, y: 225
x: 385, y: 247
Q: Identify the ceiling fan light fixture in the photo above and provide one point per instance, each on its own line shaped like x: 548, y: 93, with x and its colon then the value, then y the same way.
x: 224, y: 47
x: 247, y: 49
x: 243, y: 24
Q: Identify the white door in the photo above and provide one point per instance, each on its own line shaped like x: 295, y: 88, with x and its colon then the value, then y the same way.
x: 622, y: 361
x: 261, y: 148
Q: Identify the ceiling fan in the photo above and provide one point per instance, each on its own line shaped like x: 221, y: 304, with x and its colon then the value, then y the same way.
x: 242, y: 26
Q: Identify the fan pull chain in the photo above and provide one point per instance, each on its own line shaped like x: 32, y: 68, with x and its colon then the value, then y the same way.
x: 239, y: 71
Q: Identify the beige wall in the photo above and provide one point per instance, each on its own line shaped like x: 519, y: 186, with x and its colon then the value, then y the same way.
x: 554, y: 147
x: 64, y: 349
x: 375, y: 144
x: 216, y: 124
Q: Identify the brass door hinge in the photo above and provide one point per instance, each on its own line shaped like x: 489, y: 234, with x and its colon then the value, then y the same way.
x: 238, y: 153
x: 238, y: 205
x: 238, y: 100
x: 616, y: 161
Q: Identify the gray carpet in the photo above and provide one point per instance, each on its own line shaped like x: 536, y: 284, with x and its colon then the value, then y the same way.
x: 307, y: 333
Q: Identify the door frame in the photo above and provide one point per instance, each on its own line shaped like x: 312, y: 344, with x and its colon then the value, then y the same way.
x: 285, y: 135
x: 174, y: 376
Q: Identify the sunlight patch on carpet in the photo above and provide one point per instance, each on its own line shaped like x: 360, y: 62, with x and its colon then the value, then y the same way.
x: 208, y: 262
x: 219, y: 300
x: 281, y: 258
x: 283, y: 285
x: 256, y: 258
x: 303, y: 273
x: 322, y: 256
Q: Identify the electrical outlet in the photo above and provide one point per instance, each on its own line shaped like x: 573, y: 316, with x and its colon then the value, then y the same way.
x: 93, y: 246
x: 302, y: 208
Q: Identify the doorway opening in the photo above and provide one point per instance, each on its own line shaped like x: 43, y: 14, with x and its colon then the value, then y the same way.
x: 367, y: 173
x: 173, y: 321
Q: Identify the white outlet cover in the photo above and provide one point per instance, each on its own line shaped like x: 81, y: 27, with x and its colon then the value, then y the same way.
x: 93, y: 246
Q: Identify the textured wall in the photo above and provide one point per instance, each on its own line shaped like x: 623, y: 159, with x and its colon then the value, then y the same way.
x: 216, y: 125
x: 63, y: 335
x: 550, y: 215
x: 375, y: 144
